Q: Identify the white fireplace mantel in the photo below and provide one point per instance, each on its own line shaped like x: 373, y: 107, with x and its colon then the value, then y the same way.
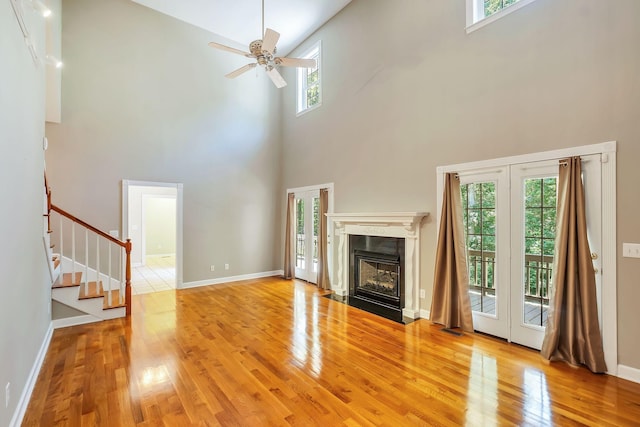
x: 404, y: 225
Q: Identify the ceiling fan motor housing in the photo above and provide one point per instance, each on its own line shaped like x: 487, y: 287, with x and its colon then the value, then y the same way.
x: 263, y: 57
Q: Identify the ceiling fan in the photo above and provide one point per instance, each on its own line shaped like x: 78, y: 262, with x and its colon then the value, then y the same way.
x: 264, y: 51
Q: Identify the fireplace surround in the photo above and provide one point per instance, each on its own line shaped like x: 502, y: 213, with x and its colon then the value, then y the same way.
x: 403, y: 229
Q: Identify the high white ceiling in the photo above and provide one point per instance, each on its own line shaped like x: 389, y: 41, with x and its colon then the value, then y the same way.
x: 239, y: 22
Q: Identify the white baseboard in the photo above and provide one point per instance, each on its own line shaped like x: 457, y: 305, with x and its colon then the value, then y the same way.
x: 425, y: 314
x: 74, y: 320
x: 21, y: 408
x: 228, y: 279
x: 629, y: 373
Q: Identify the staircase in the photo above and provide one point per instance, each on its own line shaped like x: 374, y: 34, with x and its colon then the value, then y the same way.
x: 92, y: 271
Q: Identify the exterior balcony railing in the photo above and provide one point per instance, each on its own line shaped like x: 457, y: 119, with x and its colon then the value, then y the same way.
x: 300, y: 249
x: 536, y: 280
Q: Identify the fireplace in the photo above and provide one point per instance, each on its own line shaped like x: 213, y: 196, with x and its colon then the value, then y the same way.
x: 387, y: 247
x: 376, y: 282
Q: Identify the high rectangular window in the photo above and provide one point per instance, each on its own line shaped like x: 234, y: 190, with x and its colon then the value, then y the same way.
x: 309, y: 90
x: 483, y: 12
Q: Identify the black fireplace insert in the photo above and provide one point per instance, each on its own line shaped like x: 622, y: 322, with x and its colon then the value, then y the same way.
x: 376, y: 281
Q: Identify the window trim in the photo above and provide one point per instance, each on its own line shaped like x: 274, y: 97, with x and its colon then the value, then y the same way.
x: 300, y: 74
x: 476, y: 7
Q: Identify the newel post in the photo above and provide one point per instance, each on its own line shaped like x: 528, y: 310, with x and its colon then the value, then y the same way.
x: 127, y: 288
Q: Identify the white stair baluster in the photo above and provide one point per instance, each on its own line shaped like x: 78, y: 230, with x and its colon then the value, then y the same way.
x: 73, y: 252
x: 109, y: 269
x: 98, y: 266
x: 86, y: 257
x: 61, y: 249
x: 122, y: 276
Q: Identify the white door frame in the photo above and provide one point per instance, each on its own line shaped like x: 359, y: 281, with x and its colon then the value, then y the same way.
x: 179, y: 216
x: 329, y: 187
x: 609, y: 225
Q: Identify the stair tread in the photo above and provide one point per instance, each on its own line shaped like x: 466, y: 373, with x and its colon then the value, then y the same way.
x: 91, y: 290
x: 66, y: 281
x: 115, y: 298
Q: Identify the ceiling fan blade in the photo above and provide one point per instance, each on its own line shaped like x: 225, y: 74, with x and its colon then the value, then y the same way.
x: 296, y: 62
x: 276, y: 78
x: 236, y: 73
x: 230, y: 49
x: 270, y: 39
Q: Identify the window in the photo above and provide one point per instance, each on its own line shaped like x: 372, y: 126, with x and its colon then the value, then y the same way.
x: 483, y: 12
x: 309, y: 83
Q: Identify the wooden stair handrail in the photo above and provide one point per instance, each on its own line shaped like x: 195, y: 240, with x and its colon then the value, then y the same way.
x: 47, y: 191
x: 90, y: 227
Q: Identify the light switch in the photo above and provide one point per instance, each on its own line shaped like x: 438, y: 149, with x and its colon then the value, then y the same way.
x: 631, y: 250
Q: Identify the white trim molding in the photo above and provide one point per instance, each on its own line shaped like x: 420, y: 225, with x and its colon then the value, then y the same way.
x: 405, y: 225
x: 21, y: 407
x: 629, y: 373
x: 74, y: 321
x: 229, y: 279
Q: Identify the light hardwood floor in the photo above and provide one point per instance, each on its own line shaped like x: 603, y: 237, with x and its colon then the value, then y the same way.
x: 276, y: 352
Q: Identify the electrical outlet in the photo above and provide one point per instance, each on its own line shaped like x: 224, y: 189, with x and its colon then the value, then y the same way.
x: 226, y: 266
x: 213, y: 267
x: 7, y: 395
x: 423, y: 294
x: 631, y: 250
x: 114, y: 233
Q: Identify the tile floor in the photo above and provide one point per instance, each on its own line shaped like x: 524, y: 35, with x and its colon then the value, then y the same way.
x: 158, y: 274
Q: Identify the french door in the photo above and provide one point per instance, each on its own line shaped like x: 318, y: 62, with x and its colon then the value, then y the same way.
x: 307, y: 207
x: 510, y: 216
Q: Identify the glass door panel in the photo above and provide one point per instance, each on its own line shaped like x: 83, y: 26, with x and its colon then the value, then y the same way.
x: 300, y: 258
x: 316, y: 218
x: 486, y: 222
x: 540, y: 195
x: 534, y: 200
x: 479, y: 216
x: 307, y: 235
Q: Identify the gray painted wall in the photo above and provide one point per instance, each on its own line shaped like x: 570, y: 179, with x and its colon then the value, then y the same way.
x: 144, y: 98
x: 63, y: 311
x: 25, y: 301
x: 407, y: 90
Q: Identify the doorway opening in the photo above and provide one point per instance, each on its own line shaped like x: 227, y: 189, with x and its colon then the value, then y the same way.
x: 152, y: 219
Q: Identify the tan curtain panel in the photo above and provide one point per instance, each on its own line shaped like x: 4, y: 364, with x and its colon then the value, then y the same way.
x: 323, y: 269
x: 450, y: 304
x: 573, y: 333
x: 289, y: 238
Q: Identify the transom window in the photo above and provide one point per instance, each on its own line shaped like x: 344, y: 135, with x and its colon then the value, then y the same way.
x: 309, y: 91
x: 482, y: 12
